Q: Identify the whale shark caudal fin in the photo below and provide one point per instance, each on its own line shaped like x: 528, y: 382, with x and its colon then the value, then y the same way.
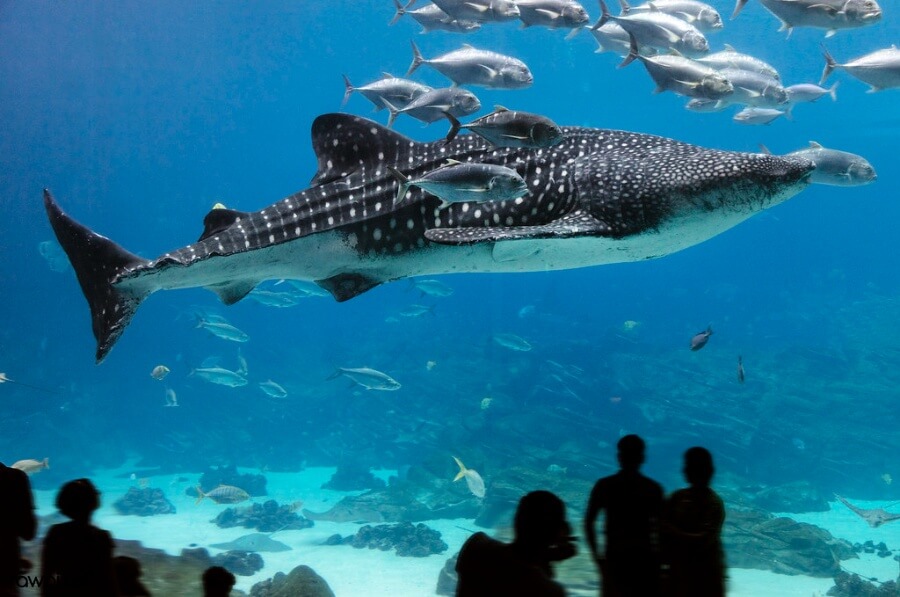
x: 98, y: 261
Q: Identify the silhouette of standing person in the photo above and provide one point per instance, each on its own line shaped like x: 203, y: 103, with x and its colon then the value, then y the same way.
x: 490, y: 568
x: 633, y: 504
x: 692, y: 532
x: 128, y: 577
x: 217, y: 582
x: 77, y: 556
x: 17, y: 521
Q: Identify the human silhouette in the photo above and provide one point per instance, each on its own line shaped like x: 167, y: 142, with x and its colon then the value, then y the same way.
x: 487, y: 567
x: 17, y: 521
x: 692, y: 532
x: 77, y: 556
x: 629, y: 566
x: 217, y: 582
x: 128, y: 577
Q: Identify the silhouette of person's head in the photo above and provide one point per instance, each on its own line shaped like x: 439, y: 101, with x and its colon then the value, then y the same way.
x: 128, y: 574
x: 78, y: 499
x: 541, y: 527
x: 631, y: 452
x: 698, y: 466
x: 217, y: 582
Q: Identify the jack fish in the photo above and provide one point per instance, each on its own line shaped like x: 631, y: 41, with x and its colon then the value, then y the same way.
x: 598, y: 197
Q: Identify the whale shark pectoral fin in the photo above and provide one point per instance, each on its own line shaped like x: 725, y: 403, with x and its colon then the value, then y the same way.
x: 343, y: 143
x: 232, y: 292
x: 219, y: 219
x: 344, y: 287
x: 575, y: 224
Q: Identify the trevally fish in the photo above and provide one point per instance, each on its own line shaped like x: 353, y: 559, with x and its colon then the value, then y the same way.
x: 753, y: 89
x: 416, y: 311
x: 809, y: 92
x: 471, y: 66
x: 512, y: 342
x: 273, y: 389
x: 511, y: 128
x: 432, y: 18
x: 699, y: 14
x: 432, y: 288
x: 681, y: 75
x: 821, y: 14
x: 699, y: 104
x: 473, y: 479
x: 836, y: 168
x: 598, y: 197
x: 389, y: 89
x: 223, y: 330
x: 274, y: 299
x: 731, y: 58
x: 880, y: 69
x: 464, y: 183
x: 659, y: 30
x: 436, y: 104
x: 480, y: 10
x: 554, y: 14
x: 370, y: 379
x: 754, y: 115
x: 221, y: 376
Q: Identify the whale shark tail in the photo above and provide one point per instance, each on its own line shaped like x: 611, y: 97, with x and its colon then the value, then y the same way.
x: 98, y: 262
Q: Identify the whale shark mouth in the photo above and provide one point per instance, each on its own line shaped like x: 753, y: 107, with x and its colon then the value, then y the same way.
x: 600, y: 184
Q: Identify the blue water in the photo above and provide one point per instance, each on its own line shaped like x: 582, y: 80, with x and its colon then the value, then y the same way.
x: 140, y: 116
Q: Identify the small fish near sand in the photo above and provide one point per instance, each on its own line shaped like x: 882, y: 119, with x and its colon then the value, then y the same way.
x: 473, y: 479
x: 370, y: 379
x: 159, y: 372
x: 701, y: 338
x: 30, y: 466
x: 512, y: 342
x: 223, y: 494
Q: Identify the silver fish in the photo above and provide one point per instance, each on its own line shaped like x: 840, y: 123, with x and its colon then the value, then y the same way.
x: 470, y: 66
x: 416, y: 311
x: 509, y: 128
x: 395, y: 90
x: 480, y: 10
x: 809, y: 92
x: 432, y: 288
x: 436, y: 104
x: 753, y: 115
x: 704, y: 105
x: 221, y: 376
x: 880, y: 69
x: 432, y: 18
x: 753, y: 89
x: 699, y: 14
x: 659, y: 30
x: 822, y: 14
x: 701, y: 338
x: 464, y: 183
x: 273, y: 389
x: 682, y: 75
x: 223, y: 330
x: 731, y: 58
x: 274, y: 299
x: 370, y: 379
x: 512, y: 342
x: 473, y: 479
x: 837, y: 168
x: 554, y: 14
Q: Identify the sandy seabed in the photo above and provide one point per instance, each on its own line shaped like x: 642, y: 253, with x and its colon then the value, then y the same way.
x: 354, y: 572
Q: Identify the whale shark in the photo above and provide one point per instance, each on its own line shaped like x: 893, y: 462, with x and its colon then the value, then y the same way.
x: 598, y: 197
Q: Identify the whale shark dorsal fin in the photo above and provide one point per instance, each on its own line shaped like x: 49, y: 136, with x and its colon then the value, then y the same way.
x: 219, y: 219
x: 342, y: 141
x: 344, y: 287
x: 575, y: 224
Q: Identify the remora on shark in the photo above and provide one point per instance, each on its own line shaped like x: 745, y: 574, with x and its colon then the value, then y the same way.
x: 598, y: 197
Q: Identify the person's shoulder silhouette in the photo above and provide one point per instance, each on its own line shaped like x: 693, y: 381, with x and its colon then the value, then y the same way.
x: 77, y: 556
x: 217, y: 582
x: 486, y: 566
x: 17, y: 521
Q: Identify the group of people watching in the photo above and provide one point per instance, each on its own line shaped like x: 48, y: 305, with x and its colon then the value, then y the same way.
x: 654, y: 547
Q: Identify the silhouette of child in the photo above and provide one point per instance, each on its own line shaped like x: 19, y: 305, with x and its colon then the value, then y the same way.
x: 633, y: 505
x: 487, y: 567
x: 692, y: 532
x: 77, y: 556
x: 217, y: 582
x: 17, y: 521
x: 128, y: 575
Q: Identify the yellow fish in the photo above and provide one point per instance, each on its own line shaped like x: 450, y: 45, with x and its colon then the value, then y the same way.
x: 473, y: 479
